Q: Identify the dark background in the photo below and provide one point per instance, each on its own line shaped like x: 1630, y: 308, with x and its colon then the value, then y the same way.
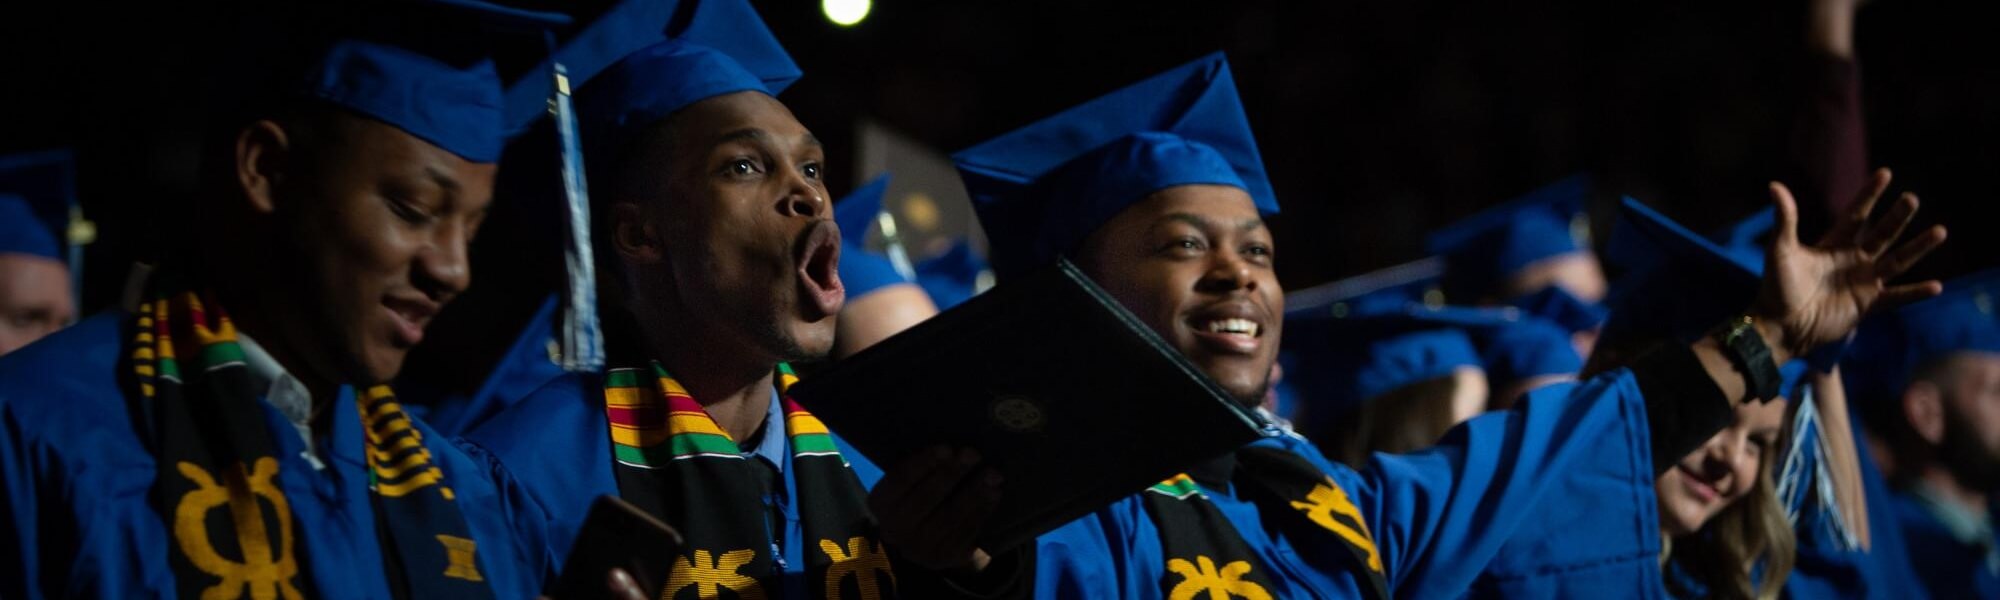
x: 1378, y: 120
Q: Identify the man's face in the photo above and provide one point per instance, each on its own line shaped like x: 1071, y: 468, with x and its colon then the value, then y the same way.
x: 751, y: 253
x: 373, y: 226
x: 1971, y: 394
x: 34, y: 299
x: 1194, y: 263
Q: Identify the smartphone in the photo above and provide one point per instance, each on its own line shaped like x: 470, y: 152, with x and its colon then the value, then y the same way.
x: 617, y: 534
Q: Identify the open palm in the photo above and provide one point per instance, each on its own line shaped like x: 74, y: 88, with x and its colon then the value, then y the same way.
x: 1819, y: 293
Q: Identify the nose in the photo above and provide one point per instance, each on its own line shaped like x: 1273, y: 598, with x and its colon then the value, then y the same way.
x: 802, y: 198
x: 1228, y: 272
x: 1721, y: 456
x: 445, y: 265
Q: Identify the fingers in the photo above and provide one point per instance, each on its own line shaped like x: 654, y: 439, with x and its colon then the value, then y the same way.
x: 623, y: 586
x: 959, y: 520
x: 1787, y: 233
x: 1876, y: 239
x: 1864, y: 203
x: 1907, y: 293
x: 896, y: 482
x: 1899, y: 260
x: 934, y: 489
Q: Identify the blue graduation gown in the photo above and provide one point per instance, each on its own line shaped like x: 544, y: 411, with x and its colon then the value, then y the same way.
x: 1825, y: 569
x: 525, y: 368
x: 557, y: 442
x: 1492, y: 496
x: 1946, y: 567
x: 78, y: 474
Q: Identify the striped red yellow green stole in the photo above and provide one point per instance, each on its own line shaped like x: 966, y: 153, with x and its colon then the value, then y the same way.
x: 217, y: 485
x: 674, y: 460
x: 1205, y: 556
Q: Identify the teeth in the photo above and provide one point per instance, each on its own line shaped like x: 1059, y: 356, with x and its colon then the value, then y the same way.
x: 1242, y: 326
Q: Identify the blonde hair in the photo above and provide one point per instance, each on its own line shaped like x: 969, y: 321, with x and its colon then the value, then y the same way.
x: 1750, y: 531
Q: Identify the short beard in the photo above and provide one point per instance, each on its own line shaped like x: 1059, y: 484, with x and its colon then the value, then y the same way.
x: 1255, y: 400
x: 1966, y: 457
x: 783, y: 344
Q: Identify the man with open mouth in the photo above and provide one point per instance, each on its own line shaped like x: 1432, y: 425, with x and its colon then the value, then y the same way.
x: 1158, y: 193
x: 719, y: 259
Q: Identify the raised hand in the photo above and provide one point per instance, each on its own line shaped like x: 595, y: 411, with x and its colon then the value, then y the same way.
x: 1817, y: 294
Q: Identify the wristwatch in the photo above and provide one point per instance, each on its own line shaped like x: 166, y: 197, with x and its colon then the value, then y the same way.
x: 1746, y: 349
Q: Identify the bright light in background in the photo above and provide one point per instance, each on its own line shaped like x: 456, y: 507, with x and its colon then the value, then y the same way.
x: 845, y: 13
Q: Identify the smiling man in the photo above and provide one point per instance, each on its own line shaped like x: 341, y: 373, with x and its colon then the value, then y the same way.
x: 1158, y: 191
x: 232, y: 436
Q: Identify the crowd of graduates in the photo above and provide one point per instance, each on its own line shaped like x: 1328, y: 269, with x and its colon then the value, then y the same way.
x: 1743, y: 413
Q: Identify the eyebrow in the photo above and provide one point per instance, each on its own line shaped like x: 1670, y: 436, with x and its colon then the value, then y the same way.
x: 1245, y: 225
x: 760, y: 136
x: 442, y: 179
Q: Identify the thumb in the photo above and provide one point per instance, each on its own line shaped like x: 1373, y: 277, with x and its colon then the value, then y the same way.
x: 1787, y: 233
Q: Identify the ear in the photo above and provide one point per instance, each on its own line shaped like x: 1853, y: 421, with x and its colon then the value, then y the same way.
x: 1923, y: 406
x: 263, y: 150
x: 637, y: 241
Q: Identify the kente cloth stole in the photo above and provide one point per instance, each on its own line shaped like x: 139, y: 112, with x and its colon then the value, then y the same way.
x: 232, y: 529
x: 1207, y: 558
x: 674, y: 461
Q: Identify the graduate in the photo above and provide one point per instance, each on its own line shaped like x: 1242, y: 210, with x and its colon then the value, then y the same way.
x: 1720, y: 516
x: 1158, y: 193
x: 456, y: 381
x: 1848, y: 541
x: 230, y: 437
x: 881, y: 301
x: 1532, y: 253
x: 37, y: 267
x: 1924, y: 378
x: 1775, y: 490
x: 1387, y: 382
x: 719, y: 259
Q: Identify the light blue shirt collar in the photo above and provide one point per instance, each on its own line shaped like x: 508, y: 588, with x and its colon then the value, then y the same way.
x: 773, y: 444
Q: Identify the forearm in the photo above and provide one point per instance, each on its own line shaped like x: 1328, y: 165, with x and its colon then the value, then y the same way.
x: 1691, y: 392
x: 1842, y: 456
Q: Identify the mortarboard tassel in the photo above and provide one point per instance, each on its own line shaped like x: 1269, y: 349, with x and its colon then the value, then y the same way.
x: 582, y: 336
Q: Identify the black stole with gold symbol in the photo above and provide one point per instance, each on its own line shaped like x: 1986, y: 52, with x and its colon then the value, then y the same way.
x: 232, y: 530
x: 1207, y: 557
x: 674, y: 461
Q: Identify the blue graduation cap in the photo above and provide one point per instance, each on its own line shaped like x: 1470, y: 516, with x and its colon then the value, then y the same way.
x: 1745, y: 240
x: 39, y: 214
x: 23, y: 230
x: 1340, y: 360
x: 1891, y: 347
x: 1512, y: 344
x: 1040, y: 189
x: 39, y: 199
x: 1688, y: 284
x: 1519, y: 349
x: 711, y: 48
x: 1556, y: 305
x: 1481, y: 251
x: 954, y: 276
x: 438, y: 83
x: 862, y: 271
